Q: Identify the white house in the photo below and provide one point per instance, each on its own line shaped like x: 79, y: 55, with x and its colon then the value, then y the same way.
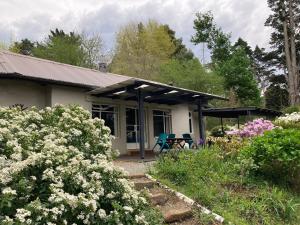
x: 115, y: 98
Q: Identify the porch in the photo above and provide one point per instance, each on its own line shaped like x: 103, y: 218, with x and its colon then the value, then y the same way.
x: 142, y: 116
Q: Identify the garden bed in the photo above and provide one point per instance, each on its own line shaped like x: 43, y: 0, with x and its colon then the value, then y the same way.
x: 216, y: 182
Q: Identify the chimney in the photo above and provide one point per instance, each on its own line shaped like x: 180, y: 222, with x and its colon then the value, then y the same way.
x: 102, y: 66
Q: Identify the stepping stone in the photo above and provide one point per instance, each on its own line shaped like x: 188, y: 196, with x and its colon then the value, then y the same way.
x: 142, y: 183
x: 158, y: 199
x: 174, y: 215
x: 135, y: 176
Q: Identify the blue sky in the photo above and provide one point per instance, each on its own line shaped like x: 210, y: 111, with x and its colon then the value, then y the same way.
x: 34, y: 18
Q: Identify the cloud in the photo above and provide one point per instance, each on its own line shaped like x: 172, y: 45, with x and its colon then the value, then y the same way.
x: 34, y: 18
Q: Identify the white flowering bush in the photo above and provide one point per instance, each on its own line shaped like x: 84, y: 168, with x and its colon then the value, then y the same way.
x: 56, y: 168
x: 289, y: 120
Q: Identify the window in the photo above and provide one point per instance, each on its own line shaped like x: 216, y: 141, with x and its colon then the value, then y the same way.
x: 109, y: 114
x: 162, y: 122
x: 191, y: 122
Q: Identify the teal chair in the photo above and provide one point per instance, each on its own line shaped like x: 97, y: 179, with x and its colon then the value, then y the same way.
x: 162, y: 142
x: 171, y: 135
x: 190, y: 140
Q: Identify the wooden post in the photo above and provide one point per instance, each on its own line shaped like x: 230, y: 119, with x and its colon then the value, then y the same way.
x: 141, y: 113
x: 201, y: 122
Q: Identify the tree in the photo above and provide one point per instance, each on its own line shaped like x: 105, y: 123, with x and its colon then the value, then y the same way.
x: 142, y: 49
x: 238, y: 76
x: 92, y: 47
x: 217, y: 41
x: 181, y: 51
x: 62, y: 47
x: 25, y: 47
x: 285, y: 41
x: 191, y: 74
x: 276, y: 95
x: 233, y: 62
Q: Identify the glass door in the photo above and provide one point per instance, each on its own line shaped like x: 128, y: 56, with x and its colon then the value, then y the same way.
x: 132, y: 128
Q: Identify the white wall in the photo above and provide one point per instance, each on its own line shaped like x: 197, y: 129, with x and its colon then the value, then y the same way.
x: 69, y: 95
x: 22, y: 92
x: 180, y: 119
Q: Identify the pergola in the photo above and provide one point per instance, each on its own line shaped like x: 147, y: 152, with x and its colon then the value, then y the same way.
x: 239, y: 111
x: 153, y: 92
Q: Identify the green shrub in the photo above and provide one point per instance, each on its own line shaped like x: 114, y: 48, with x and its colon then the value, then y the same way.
x: 289, y: 120
x: 215, y: 183
x: 292, y: 109
x: 217, y: 131
x: 56, y: 168
x: 276, y: 154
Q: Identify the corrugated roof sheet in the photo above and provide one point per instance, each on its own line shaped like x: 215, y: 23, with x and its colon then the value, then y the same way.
x: 31, y: 67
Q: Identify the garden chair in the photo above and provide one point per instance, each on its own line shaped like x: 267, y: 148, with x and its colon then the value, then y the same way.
x: 190, y: 140
x: 162, y: 142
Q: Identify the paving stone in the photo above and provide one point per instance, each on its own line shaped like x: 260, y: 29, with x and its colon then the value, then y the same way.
x: 174, y: 215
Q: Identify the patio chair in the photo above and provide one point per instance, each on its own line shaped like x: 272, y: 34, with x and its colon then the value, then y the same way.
x: 190, y: 141
x: 171, y: 135
x: 162, y: 142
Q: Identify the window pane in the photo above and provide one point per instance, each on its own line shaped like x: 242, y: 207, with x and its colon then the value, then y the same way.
x: 158, y: 123
x: 109, y: 119
x: 108, y: 113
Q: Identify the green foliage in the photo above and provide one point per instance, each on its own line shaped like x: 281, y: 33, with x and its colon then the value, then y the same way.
x: 141, y: 49
x: 191, y: 74
x: 217, y: 41
x: 276, y: 154
x: 292, y: 109
x: 239, y: 77
x: 230, y: 62
x: 181, y: 52
x: 25, y: 47
x: 56, y: 168
x: 276, y: 95
x: 218, y: 132
x: 61, y: 47
x: 216, y: 183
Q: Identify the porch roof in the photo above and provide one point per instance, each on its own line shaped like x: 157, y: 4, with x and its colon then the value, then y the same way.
x: 239, y: 111
x: 153, y: 92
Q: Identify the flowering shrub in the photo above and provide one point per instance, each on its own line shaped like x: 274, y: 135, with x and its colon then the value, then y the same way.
x: 276, y: 154
x: 289, y: 120
x: 254, y: 128
x: 56, y: 168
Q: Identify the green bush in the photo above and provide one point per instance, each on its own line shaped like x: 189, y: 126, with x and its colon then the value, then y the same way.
x: 217, y: 131
x: 292, y: 109
x: 276, y: 154
x: 216, y: 183
x: 56, y: 168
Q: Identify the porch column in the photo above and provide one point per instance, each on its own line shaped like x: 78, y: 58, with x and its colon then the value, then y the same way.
x: 201, y: 121
x: 141, y: 113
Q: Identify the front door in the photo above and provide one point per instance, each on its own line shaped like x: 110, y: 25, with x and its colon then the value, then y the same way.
x: 132, y: 129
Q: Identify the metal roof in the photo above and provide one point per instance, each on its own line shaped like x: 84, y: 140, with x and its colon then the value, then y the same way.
x: 21, y: 66
x: 239, y: 111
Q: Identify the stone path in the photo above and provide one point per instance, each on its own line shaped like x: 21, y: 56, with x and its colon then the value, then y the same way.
x: 174, y: 210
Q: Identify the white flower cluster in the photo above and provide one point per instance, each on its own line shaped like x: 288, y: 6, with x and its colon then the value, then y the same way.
x: 289, y: 120
x: 56, y: 168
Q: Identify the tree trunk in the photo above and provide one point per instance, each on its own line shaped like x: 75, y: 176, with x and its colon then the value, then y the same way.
x: 287, y: 50
x: 294, y: 68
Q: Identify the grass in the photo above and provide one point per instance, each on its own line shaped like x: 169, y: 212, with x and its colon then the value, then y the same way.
x: 216, y: 183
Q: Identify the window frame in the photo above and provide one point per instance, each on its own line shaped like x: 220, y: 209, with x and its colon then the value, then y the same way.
x: 115, y: 112
x: 166, y: 115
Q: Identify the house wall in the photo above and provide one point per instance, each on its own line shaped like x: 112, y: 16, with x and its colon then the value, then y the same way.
x: 22, y: 92
x: 34, y: 94
x: 69, y: 95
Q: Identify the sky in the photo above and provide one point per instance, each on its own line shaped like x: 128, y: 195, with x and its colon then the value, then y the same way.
x: 34, y: 18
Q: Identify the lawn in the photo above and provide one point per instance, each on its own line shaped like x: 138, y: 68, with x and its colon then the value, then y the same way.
x: 221, y: 184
